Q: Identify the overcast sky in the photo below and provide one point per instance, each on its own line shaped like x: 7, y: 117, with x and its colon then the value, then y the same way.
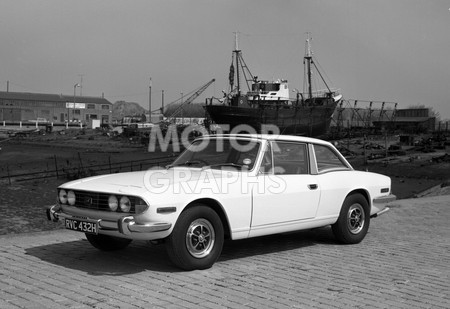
x: 380, y: 50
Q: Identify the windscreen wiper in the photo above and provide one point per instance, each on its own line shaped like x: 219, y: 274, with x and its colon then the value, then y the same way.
x: 226, y: 164
x: 187, y: 163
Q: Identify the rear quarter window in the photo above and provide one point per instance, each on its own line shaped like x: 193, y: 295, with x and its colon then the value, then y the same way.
x: 327, y: 159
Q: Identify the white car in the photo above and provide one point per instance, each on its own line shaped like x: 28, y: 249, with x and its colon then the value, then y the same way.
x: 226, y: 187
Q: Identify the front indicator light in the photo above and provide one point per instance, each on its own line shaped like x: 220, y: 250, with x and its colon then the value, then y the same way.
x: 113, y: 202
x: 71, y: 198
x: 62, y: 196
x: 125, y: 204
x: 140, y: 206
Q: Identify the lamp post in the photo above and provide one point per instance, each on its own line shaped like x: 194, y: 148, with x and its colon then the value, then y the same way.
x: 182, y: 119
x: 74, y: 89
x: 150, y: 102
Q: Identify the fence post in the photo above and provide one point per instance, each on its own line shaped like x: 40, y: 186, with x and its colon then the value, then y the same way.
x: 56, y: 167
x: 81, y: 163
x: 9, y: 176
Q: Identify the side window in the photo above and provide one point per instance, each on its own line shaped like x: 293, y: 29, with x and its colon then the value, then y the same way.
x: 289, y: 158
x: 327, y: 159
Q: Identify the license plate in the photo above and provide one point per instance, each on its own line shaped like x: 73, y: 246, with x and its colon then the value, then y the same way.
x: 82, y: 226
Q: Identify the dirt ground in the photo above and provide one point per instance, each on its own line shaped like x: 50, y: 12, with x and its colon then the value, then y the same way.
x: 23, y: 203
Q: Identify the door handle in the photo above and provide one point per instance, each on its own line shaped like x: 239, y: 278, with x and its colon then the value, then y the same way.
x: 312, y: 186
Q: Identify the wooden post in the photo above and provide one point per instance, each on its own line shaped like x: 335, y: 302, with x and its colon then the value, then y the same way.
x: 81, y: 162
x: 9, y: 176
x: 364, y: 145
x: 56, y: 167
x: 385, y: 145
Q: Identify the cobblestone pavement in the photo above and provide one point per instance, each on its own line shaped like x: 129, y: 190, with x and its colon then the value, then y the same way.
x: 23, y: 204
x: 402, y: 263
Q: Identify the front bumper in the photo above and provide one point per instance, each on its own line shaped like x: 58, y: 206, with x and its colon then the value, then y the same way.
x: 125, y: 225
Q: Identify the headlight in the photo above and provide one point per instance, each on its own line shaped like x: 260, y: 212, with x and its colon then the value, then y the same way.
x: 113, y: 203
x: 62, y: 196
x: 125, y: 204
x: 71, y: 198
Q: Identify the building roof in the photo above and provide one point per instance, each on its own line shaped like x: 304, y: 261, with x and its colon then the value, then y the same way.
x: 28, y: 96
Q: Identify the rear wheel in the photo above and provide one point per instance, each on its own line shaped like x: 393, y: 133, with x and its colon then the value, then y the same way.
x: 354, y: 219
x: 197, y: 239
x: 107, y: 243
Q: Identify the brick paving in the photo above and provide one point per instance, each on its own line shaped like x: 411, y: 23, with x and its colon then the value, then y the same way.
x: 402, y: 263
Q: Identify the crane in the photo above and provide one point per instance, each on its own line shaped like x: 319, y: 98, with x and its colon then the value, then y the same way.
x: 190, y: 99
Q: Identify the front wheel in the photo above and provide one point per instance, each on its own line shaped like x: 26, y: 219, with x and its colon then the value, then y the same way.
x: 197, y: 239
x: 107, y: 243
x: 354, y: 219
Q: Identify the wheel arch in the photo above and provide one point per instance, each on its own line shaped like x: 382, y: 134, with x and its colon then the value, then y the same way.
x: 217, y: 207
x: 364, y: 193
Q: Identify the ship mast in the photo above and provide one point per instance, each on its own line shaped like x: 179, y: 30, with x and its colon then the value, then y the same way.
x: 237, y: 53
x: 241, y: 67
x: 307, y: 62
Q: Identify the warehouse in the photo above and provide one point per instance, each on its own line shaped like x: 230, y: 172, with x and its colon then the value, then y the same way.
x: 21, y: 107
x: 411, y: 120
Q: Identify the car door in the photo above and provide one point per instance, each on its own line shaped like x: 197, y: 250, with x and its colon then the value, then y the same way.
x: 286, y: 191
x: 334, y: 179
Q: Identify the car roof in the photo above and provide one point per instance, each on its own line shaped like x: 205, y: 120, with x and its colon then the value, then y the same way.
x: 272, y: 137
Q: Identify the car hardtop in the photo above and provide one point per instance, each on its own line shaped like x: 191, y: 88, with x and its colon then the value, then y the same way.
x: 268, y: 137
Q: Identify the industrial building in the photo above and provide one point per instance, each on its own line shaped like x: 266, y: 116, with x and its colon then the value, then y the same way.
x: 411, y: 120
x: 22, y: 107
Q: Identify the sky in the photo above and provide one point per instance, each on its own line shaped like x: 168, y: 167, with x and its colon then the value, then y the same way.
x: 372, y: 50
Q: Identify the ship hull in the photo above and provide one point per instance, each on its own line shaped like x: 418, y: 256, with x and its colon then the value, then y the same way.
x: 303, y: 120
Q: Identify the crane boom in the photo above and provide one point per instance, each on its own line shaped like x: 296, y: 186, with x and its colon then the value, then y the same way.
x: 192, y: 97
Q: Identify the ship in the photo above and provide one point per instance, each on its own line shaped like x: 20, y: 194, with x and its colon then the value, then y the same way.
x: 267, y: 107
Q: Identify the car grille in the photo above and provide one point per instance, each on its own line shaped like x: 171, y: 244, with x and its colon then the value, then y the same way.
x: 92, y: 200
x: 98, y: 201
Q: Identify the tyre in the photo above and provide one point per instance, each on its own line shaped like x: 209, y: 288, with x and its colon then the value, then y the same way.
x: 197, y: 239
x: 354, y: 219
x: 107, y: 243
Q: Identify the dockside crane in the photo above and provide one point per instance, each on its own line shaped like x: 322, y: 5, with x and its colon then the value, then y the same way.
x: 190, y: 99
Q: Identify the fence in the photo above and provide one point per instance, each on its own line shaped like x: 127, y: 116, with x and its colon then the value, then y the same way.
x: 81, y: 170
